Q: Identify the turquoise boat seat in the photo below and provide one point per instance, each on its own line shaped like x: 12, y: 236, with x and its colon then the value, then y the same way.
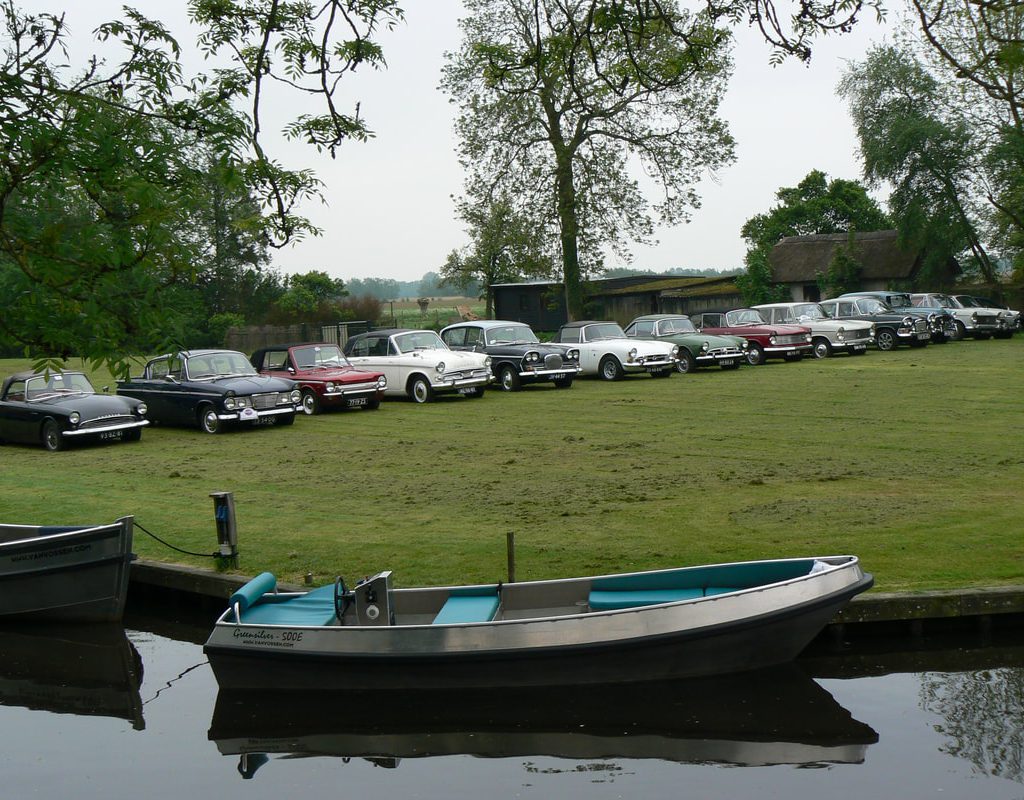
x: 315, y: 607
x: 460, y: 609
x: 614, y: 599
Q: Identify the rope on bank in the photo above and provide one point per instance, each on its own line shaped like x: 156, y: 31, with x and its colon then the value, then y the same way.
x: 214, y: 554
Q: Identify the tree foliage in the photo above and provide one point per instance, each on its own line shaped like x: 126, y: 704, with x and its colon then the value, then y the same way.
x: 815, y: 205
x: 105, y: 172
x: 504, y: 247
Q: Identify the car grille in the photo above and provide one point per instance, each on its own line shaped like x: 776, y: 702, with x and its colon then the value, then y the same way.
x: 466, y: 374
x: 261, y: 402
x: 103, y: 422
x: 987, y: 319
x: 791, y: 338
x: 553, y: 361
x: 855, y: 336
x: 921, y: 325
x: 725, y: 352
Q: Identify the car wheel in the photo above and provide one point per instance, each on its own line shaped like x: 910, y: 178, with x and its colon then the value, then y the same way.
x: 208, y: 421
x: 563, y: 383
x: 610, y: 369
x: 420, y: 390
x: 310, y: 402
x: 822, y: 348
x: 686, y: 362
x: 961, y: 329
x: 509, y: 379
x: 755, y: 354
x: 53, y: 439
x: 885, y: 339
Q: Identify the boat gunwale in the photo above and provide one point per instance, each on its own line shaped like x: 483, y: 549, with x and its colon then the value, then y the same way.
x: 88, y: 531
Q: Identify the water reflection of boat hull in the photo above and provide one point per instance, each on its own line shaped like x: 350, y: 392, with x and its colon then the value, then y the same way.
x: 65, y: 573
x: 90, y: 670
x: 772, y: 716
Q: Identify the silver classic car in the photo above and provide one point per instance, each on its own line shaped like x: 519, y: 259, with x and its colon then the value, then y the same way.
x: 828, y: 335
x: 607, y: 352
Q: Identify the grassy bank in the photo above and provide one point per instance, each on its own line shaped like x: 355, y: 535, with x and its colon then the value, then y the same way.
x: 911, y: 460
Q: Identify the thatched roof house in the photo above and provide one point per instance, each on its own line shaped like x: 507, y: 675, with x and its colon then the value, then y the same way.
x: 797, y: 261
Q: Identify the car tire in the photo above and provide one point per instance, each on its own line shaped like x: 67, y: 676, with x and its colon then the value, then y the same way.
x: 755, y: 354
x: 206, y: 416
x: 53, y: 439
x: 508, y: 379
x: 310, y: 402
x: 563, y: 383
x: 961, y: 329
x: 822, y: 348
x: 420, y: 390
x: 885, y: 339
x: 610, y: 369
x: 686, y: 363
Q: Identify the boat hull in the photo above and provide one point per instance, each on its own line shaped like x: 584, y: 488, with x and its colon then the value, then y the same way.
x: 66, y: 573
x: 715, y: 635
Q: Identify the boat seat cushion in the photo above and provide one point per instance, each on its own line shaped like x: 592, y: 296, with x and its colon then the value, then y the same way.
x: 462, y: 609
x: 315, y: 607
x: 610, y: 600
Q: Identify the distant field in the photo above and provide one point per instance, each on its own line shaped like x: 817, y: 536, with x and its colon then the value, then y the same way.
x: 440, y: 311
x: 911, y: 460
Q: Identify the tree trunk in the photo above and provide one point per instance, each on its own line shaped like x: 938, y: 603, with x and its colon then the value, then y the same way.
x: 569, y: 228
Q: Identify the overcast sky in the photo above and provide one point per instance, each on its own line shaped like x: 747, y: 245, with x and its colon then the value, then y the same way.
x: 389, y: 211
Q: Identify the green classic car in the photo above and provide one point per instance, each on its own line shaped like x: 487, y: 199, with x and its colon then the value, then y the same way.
x: 696, y: 349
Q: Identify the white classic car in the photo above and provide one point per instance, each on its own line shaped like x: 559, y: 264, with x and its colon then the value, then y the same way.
x: 979, y: 323
x: 827, y: 335
x: 982, y: 305
x: 606, y: 351
x: 419, y: 364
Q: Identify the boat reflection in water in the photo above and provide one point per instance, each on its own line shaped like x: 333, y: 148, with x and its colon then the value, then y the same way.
x: 772, y: 716
x: 91, y: 670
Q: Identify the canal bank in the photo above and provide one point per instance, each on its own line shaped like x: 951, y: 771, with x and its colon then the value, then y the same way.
x: 882, y: 613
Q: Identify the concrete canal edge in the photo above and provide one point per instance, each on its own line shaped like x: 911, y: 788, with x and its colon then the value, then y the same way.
x: 883, y: 612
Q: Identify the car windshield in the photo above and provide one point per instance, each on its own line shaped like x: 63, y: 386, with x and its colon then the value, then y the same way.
x: 675, y: 325
x: 320, y: 356
x: 222, y: 364
x: 809, y: 311
x: 603, y: 330
x: 899, y: 301
x: 946, y: 301
x: 869, y: 305
x: 968, y: 302
x: 419, y: 340
x: 744, y: 316
x: 42, y: 387
x: 512, y: 334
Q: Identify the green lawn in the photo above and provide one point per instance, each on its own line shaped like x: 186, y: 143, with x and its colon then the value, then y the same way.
x: 912, y: 460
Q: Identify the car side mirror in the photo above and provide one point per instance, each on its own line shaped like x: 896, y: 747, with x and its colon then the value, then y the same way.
x: 291, y: 370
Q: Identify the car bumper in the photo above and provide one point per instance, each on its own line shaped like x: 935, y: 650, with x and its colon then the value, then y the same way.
x: 913, y: 336
x: 787, y: 349
x: 252, y: 415
x: 852, y: 346
x: 549, y: 374
x: 99, y: 430
x: 724, y: 358
x: 458, y: 384
x: 352, y: 396
x: 650, y: 365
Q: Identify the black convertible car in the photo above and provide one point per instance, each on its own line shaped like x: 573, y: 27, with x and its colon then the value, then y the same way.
x: 56, y: 408
x: 211, y: 388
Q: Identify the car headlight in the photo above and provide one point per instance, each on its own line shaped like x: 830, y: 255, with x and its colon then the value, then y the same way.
x: 229, y: 403
x: 771, y: 339
x: 745, y: 345
x: 487, y: 362
x: 141, y: 409
x: 705, y: 346
x: 74, y: 417
x: 574, y: 355
x: 295, y: 396
x: 974, y: 318
x: 330, y: 387
x: 439, y: 368
x: 675, y: 350
x: 632, y: 353
x: 908, y: 322
x: 807, y: 337
x: 841, y: 334
x: 872, y: 330
x: 932, y: 317
x: 382, y: 382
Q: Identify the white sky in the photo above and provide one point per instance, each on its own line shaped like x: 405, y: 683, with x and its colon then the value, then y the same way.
x: 389, y: 212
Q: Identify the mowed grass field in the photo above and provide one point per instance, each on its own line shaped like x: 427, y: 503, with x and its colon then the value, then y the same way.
x: 912, y: 460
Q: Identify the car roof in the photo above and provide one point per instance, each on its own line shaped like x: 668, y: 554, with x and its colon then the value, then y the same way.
x: 486, y: 324
x: 579, y: 323
x: 26, y: 374
x: 662, y: 316
x: 389, y: 332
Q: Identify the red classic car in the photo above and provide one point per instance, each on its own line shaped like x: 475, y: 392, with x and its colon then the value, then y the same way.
x: 327, y: 379
x: 767, y: 340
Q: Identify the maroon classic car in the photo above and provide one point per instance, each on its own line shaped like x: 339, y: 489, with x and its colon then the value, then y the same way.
x: 767, y: 340
x: 327, y: 379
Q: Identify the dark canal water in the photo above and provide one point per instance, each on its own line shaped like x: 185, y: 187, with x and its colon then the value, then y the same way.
x: 135, y: 712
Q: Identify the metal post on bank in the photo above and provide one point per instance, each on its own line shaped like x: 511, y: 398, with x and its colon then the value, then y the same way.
x: 227, y: 530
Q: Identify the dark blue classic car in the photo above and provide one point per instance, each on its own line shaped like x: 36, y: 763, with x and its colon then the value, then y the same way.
x: 56, y: 408
x: 209, y: 388
x: 517, y: 355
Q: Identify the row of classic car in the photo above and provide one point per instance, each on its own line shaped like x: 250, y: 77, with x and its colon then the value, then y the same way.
x: 212, y: 388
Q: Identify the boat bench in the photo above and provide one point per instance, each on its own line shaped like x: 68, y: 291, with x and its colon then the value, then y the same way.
x: 460, y: 609
x: 607, y: 600
x: 315, y: 607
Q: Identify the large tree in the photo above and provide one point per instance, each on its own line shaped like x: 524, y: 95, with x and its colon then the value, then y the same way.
x: 560, y: 98
x: 815, y: 205
x: 103, y: 169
